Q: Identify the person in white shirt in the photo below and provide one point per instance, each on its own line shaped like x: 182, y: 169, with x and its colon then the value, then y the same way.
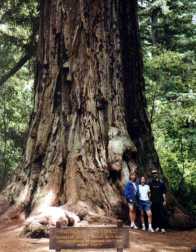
x: 145, y: 203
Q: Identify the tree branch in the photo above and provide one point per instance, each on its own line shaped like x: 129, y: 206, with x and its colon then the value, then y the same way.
x: 16, y: 68
x: 18, y: 41
x: 153, y: 104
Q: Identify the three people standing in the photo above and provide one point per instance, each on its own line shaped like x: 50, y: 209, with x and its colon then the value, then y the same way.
x: 148, y: 198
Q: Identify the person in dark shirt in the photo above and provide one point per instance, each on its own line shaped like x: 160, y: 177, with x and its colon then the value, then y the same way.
x: 158, y: 198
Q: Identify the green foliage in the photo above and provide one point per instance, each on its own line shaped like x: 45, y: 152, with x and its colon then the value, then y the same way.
x: 169, y: 58
x: 16, y: 105
x: 18, y: 26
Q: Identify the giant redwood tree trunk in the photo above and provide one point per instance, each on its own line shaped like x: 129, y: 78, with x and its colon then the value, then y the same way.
x: 89, y: 127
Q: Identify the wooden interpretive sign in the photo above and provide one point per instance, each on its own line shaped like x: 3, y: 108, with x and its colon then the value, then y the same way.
x: 89, y: 237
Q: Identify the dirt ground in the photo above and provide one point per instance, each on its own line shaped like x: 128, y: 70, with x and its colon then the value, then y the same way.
x: 140, y: 241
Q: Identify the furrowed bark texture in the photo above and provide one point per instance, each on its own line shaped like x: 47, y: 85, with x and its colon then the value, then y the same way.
x: 89, y: 127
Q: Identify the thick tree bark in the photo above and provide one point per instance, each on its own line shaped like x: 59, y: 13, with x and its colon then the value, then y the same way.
x: 89, y: 128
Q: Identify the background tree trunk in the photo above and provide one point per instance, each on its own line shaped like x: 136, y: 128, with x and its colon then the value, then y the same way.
x: 89, y: 127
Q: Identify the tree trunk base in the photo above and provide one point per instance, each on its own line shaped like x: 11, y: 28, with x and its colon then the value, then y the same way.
x: 181, y: 221
x: 179, y: 218
x: 79, y: 214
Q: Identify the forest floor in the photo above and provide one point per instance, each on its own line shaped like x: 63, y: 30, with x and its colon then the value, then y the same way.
x: 140, y: 241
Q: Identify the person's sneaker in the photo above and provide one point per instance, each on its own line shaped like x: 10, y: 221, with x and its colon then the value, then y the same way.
x: 143, y: 228
x: 150, y: 229
x: 133, y: 226
x: 163, y: 230
x: 157, y: 229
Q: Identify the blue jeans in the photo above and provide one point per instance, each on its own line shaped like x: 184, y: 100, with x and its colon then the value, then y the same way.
x: 144, y: 205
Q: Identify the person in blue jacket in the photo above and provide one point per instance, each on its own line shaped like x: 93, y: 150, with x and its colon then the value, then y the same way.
x: 130, y: 193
